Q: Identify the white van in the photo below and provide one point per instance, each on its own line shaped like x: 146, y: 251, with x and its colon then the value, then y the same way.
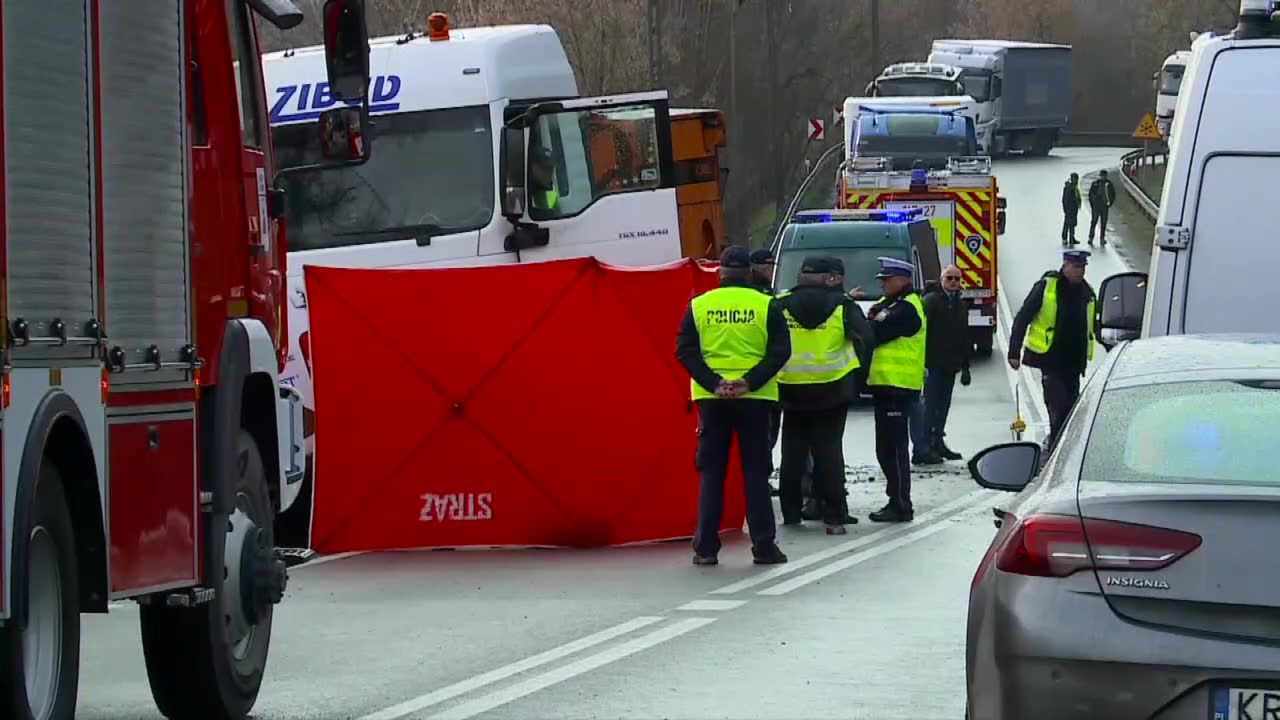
x: 1216, y: 255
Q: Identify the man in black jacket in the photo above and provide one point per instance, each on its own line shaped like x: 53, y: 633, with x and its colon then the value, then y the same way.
x: 1056, y: 322
x: 762, y: 264
x: 817, y: 386
x: 947, y: 352
x: 733, y: 341
x: 1070, y: 209
x: 1102, y: 195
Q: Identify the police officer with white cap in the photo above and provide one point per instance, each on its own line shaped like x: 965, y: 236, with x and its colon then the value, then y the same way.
x: 896, y: 378
x: 1056, y: 323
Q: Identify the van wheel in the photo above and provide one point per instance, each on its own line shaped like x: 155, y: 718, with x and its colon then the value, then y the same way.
x: 208, y: 661
x: 40, y: 664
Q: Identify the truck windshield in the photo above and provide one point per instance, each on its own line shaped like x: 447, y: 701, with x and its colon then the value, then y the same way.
x: 1171, y: 79
x: 860, y: 266
x: 907, y: 138
x: 915, y: 87
x: 977, y: 84
x: 430, y: 173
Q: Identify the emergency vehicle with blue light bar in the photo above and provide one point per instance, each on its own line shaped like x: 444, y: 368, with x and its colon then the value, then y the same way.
x: 823, y: 216
x: 910, y: 155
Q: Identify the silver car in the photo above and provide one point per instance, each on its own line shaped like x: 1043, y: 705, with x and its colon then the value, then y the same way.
x: 1137, y: 575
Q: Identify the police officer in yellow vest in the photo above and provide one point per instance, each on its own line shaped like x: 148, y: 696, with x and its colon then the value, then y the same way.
x: 816, y: 387
x: 896, y: 379
x: 1053, y: 331
x: 733, y: 341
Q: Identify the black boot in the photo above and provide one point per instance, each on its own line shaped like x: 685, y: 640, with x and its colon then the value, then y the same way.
x: 891, y: 514
x: 769, y: 555
x: 947, y: 453
x: 927, y: 457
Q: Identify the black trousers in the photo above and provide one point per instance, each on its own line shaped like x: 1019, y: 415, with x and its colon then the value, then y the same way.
x: 1099, y: 216
x: 1060, y: 392
x: 819, y: 434
x: 1069, y: 228
x: 939, y: 386
x: 721, y: 420
x: 892, y: 445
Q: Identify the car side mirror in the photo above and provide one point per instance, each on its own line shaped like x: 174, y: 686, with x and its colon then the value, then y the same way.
x: 1008, y: 467
x: 514, y: 200
x: 346, y: 49
x: 342, y: 135
x: 1122, y: 302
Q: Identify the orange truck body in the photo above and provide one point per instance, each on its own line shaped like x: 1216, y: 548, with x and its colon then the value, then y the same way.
x: 617, y: 159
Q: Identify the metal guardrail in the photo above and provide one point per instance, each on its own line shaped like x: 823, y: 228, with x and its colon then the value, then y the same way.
x: 1097, y: 138
x: 1128, y: 165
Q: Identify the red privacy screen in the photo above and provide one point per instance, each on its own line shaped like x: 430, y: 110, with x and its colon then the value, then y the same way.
x: 537, y: 404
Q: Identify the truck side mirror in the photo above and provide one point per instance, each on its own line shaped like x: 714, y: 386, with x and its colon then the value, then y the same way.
x: 1000, y: 220
x: 342, y: 135
x: 1122, y: 302
x: 514, y: 199
x: 346, y: 50
x: 997, y: 87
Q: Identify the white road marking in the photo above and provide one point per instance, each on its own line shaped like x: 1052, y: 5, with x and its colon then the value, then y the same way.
x: 574, y: 669
x: 1035, y: 404
x: 449, y: 692
x: 328, y: 558
x: 865, y: 555
x: 806, y: 561
x: 712, y: 605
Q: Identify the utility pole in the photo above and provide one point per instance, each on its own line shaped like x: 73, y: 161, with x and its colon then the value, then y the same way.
x: 655, y: 45
x: 875, y: 38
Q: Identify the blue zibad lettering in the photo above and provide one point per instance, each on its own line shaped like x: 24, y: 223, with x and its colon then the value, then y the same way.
x: 314, y: 98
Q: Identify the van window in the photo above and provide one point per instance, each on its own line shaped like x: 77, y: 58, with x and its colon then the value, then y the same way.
x: 1233, y: 247
x: 860, y: 266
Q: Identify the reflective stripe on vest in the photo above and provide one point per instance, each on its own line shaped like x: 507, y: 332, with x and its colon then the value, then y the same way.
x: 818, y: 355
x: 733, y: 332
x: 900, y: 362
x: 1043, y: 330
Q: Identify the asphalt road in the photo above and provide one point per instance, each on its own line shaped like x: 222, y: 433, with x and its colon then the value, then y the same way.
x: 869, y: 625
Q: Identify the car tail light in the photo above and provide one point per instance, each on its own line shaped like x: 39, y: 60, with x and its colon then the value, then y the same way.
x: 1059, y: 545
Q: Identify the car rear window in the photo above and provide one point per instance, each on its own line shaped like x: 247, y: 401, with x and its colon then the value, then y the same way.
x: 1193, y: 432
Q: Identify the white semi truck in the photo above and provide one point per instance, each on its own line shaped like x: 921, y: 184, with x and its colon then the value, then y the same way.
x: 485, y: 156
x: 1167, y: 82
x: 1023, y: 90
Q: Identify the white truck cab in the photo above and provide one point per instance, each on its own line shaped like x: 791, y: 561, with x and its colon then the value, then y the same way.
x: 1167, y: 82
x: 1215, y: 258
x: 485, y: 156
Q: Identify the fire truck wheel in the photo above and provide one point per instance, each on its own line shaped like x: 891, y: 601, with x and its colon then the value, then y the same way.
x: 208, y: 661
x: 40, y: 664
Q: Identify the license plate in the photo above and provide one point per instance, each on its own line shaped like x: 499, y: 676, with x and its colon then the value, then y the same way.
x: 977, y: 319
x: 1246, y: 704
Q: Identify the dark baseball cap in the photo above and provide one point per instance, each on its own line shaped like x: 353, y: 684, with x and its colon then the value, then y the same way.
x: 762, y: 257
x: 735, y: 256
x: 822, y: 265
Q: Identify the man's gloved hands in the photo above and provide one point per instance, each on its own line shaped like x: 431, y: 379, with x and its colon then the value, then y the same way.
x: 965, y: 378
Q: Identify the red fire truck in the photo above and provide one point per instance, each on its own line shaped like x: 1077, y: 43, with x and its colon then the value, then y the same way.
x: 145, y: 439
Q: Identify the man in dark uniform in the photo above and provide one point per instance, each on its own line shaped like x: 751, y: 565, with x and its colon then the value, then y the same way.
x: 762, y: 264
x: 1070, y: 209
x: 1102, y: 195
x: 896, y: 379
x: 1056, y: 321
x: 816, y: 387
x: 733, y: 341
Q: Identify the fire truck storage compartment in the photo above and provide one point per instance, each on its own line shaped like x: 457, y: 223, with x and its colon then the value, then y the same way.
x: 48, y: 170
x: 153, y: 543
x: 145, y: 180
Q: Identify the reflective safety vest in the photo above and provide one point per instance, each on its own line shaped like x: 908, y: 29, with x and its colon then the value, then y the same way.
x: 546, y: 199
x: 818, y: 355
x: 900, y: 362
x: 1042, y: 331
x: 733, y: 331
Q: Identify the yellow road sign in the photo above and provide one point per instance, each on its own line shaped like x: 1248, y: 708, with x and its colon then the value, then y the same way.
x: 1147, y: 129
